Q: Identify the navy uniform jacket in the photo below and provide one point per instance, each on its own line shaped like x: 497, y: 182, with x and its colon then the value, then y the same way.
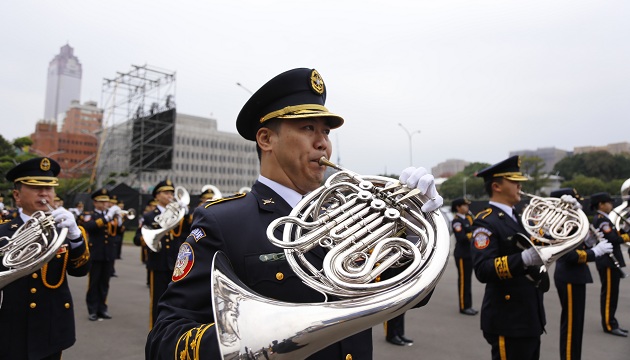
x: 572, y: 267
x: 185, y: 325
x: 512, y: 305
x: 164, y: 260
x: 603, y: 223
x: 100, y: 235
x: 462, y: 228
x: 37, y: 313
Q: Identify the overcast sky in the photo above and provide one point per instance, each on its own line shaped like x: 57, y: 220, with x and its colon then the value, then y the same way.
x: 478, y: 78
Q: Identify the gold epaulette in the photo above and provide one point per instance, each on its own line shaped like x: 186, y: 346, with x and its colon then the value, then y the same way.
x: 484, y: 213
x: 4, y: 221
x: 233, y: 197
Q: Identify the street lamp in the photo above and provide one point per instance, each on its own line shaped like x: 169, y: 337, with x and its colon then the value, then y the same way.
x: 409, y: 134
x: 244, y: 88
x: 465, y: 179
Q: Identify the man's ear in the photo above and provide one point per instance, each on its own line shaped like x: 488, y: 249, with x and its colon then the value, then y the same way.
x: 263, y: 138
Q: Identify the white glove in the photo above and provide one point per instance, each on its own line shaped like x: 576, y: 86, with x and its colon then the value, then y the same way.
x: 530, y: 257
x: 419, y: 178
x: 575, y: 204
x: 593, y: 238
x: 604, y: 247
x: 64, y: 218
x: 112, y: 212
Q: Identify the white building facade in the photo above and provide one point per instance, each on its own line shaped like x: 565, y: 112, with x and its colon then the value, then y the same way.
x: 63, y: 84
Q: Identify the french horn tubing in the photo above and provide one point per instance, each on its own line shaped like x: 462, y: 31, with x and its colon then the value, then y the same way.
x: 32, y: 245
x: 169, y: 219
x: 555, y: 224
x: 358, y: 221
x: 620, y: 216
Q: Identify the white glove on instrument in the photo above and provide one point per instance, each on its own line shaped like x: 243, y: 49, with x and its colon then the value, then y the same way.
x: 419, y: 178
x: 575, y: 204
x: 112, y: 212
x: 593, y: 238
x: 604, y: 247
x: 64, y: 218
x: 530, y: 257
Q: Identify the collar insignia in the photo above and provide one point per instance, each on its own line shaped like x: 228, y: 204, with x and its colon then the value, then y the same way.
x: 267, y: 202
x: 14, y: 226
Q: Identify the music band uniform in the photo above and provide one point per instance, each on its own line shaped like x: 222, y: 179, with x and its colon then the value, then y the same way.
x: 608, y: 274
x: 161, y: 264
x: 512, y: 313
x: 462, y: 229
x: 37, y: 311
x: 101, y: 231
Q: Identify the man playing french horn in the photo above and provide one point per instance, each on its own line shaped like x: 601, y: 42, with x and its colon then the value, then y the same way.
x: 36, y: 308
x: 287, y: 119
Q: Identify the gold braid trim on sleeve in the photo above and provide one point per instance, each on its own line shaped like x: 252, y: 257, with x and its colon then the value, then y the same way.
x: 625, y: 237
x: 581, y: 256
x: 189, y: 343
x: 502, y: 268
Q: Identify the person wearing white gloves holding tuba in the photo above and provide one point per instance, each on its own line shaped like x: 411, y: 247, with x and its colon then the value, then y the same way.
x: 288, y: 121
x: 36, y: 307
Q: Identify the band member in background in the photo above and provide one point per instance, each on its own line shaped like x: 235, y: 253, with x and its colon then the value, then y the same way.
x: 58, y: 202
x: 512, y: 313
x: 78, y: 210
x: 608, y: 273
x: 161, y: 264
x: 36, y: 311
x: 570, y: 277
x: 138, y: 241
x: 395, y: 327
x: 99, y: 225
x: 288, y: 121
x: 462, y: 229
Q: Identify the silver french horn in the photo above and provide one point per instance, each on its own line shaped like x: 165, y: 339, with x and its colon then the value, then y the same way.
x: 167, y: 220
x: 620, y: 216
x: 32, y: 245
x: 554, y: 223
x: 358, y: 221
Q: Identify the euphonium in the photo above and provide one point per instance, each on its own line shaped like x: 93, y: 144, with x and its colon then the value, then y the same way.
x: 620, y: 216
x: 358, y: 221
x: 167, y: 220
x: 554, y: 223
x: 31, y: 246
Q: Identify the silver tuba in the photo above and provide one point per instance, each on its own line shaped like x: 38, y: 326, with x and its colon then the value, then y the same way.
x: 554, y: 223
x: 32, y: 245
x: 167, y: 220
x: 358, y: 221
x: 620, y: 216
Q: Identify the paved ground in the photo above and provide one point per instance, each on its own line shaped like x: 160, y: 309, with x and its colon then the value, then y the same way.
x: 438, y: 329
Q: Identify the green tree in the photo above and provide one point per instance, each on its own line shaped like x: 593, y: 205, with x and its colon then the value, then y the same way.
x: 23, y: 143
x: 600, y: 164
x: 464, y: 183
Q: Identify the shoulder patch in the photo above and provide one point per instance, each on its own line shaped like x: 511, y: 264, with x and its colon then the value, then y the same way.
x: 185, y: 261
x: 484, y: 213
x: 605, y: 227
x: 234, y: 197
x: 197, y: 234
x: 457, y: 226
x: 481, y: 238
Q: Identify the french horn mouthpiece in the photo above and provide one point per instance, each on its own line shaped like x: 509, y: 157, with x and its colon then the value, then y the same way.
x: 324, y: 161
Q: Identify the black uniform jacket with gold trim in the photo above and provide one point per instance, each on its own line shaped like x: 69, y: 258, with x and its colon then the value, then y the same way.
x: 512, y: 305
x: 37, y: 313
x: 572, y: 267
x: 164, y: 260
x: 185, y: 326
x: 603, y: 224
x: 462, y: 229
x: 100, y: 240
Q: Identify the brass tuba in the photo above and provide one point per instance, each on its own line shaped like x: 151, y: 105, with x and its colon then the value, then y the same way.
x: 167, y: 220
x: 32, y: 245
x: 554, y: 223
x: 620, y: 216
x: 358, y: 220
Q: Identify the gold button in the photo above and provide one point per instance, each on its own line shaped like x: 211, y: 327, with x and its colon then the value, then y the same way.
x: 67, y: 305
x: 507, y: 297
x: 349, y: 357
x: 33, y: 291
x: 168, y: 246
x: 34, y: 275
x: 167, y: 240
x: 105, y: 241
x: 33, y: 305
x: 58, y: 256
x: 279, y: 276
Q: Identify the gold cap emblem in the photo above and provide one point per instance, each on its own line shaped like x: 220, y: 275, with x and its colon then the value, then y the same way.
x: 44, y: 164
x: 169, y: 183
x: 317, y: 83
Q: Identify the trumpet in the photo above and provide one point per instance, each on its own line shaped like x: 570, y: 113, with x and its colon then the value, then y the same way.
x: 129, y: 214
x: 358, y: 220
x: 32, y: 245
x: 170, y: 218
x: 554, y: 223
